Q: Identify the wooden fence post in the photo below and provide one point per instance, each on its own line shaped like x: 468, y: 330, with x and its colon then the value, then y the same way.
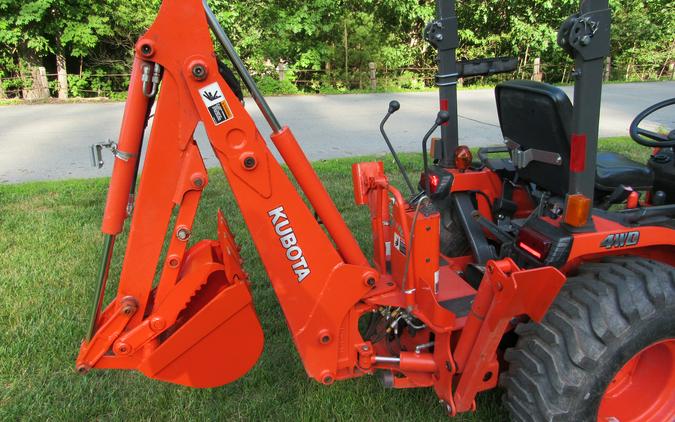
x: 40, y: 86
x: 373, y: 75
x: 281, y: 70
x: 608, y: 69
x: 2, y: 90
x: 537, y: 74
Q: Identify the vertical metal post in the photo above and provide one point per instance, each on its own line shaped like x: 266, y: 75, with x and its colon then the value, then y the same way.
x: 589, y: 42
x: 447, y: 79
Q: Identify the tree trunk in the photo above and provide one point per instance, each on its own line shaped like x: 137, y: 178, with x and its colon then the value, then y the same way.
x: 2, y: 90
x: 39, y: 89
x: 62, y: 74
x: 522, y: 66
x: 28, y: 63
x: 346, y: 40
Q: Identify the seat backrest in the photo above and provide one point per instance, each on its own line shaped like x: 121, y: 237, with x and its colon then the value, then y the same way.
x: 538, y: 116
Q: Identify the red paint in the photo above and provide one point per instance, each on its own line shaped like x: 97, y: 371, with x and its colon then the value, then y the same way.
x: 445, y: 106
x: 643, y: 390
x: 578, y: 153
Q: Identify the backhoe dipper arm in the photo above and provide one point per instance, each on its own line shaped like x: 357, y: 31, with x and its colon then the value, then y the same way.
x: 200, y: 317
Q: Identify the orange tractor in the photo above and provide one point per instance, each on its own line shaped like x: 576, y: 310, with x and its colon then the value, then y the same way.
x: 521, y: 272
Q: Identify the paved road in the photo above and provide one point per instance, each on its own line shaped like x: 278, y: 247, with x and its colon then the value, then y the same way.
x: 42, y: 142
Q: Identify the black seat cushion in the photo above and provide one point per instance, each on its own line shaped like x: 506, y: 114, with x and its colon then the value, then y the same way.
x: 615, y: 169
x: 538, y: 116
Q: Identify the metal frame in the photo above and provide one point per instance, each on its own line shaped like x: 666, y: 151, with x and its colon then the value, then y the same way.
x: 586, y: 37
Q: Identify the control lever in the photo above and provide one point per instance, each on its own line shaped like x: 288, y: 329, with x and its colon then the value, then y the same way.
x: 394, y: 106
x: 442, y: 118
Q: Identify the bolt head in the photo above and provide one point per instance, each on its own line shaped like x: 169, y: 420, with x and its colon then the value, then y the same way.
x: 249, y: 162
x: 183, y: 234
x: 157, y: 324
x: 371, y: 282
x: 146, y: 50
x: 199, y: 72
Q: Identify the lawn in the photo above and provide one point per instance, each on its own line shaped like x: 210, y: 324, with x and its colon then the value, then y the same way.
x: 49, y: 252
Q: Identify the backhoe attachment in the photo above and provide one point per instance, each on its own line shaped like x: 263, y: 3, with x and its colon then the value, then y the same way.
x: 182, y: 313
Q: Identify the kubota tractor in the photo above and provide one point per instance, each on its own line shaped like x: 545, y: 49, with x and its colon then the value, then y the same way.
x: 520, y: 269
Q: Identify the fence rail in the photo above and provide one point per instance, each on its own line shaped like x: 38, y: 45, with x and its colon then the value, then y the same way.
x: 39, y: 84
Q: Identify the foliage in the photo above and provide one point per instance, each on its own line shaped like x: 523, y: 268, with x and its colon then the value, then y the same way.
x: 334, y: 38
x: 273, y: 86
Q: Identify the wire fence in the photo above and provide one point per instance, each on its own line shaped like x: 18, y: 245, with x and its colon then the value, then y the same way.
x: 39, y: 84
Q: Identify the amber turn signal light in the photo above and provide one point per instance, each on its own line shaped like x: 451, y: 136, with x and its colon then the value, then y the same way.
x: 463, y: 158
x: 577, y: 210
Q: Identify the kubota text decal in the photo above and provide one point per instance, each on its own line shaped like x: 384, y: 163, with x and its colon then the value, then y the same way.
x: 288, y: 240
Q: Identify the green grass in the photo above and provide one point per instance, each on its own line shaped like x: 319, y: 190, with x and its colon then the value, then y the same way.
x: 49, y: 252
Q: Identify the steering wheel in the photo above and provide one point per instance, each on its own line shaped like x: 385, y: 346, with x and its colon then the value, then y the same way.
x: 648, y: 138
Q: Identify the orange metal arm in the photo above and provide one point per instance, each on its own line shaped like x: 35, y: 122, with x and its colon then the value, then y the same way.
x: 318, y: 287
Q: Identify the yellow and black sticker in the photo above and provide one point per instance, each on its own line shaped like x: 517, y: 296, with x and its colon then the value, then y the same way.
x: 215, y: 102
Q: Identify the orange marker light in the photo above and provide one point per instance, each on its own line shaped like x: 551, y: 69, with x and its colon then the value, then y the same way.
x: 463, y: 158
x: 577, y: 210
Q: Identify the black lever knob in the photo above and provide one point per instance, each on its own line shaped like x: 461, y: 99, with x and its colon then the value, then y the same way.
x: 442, y: 118
x: 394, y: 106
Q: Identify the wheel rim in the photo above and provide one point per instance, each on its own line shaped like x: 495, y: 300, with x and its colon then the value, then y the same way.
x: 644, y: 389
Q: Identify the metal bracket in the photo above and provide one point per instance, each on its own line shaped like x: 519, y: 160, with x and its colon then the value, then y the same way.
x: 97, y: 153
x: 522, y: 158
x: 442, y: 33
x: 586, y: 34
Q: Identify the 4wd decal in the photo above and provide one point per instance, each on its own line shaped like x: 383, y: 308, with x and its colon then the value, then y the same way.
x: 621, y: 240
x: 294, y: 254
x: 215, y: 102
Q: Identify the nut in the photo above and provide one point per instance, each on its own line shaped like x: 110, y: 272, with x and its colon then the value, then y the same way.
x: 249, y: 163
x: 157, y: 324
x: 199, y: 72
x: 147, y: 50
x: 183, y: 234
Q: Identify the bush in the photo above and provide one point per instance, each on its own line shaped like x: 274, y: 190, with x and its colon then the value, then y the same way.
x: 273, y: 86
x: 77, y: 84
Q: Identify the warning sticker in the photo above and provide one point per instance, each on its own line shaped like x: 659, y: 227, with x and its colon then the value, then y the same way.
x: 215, y: 102
x: 399, y: 243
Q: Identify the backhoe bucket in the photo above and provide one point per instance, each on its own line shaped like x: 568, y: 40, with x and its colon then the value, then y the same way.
x: 201, y: 332
x: 216, y: 346
x: 217, y: 337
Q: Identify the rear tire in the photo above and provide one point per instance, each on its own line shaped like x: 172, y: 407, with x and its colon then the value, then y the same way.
x: 453, y: 238
x: 608, y: 313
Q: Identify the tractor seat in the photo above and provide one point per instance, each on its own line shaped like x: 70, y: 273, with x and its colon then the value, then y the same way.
x: 614, y: 170
x: 536, y: 121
